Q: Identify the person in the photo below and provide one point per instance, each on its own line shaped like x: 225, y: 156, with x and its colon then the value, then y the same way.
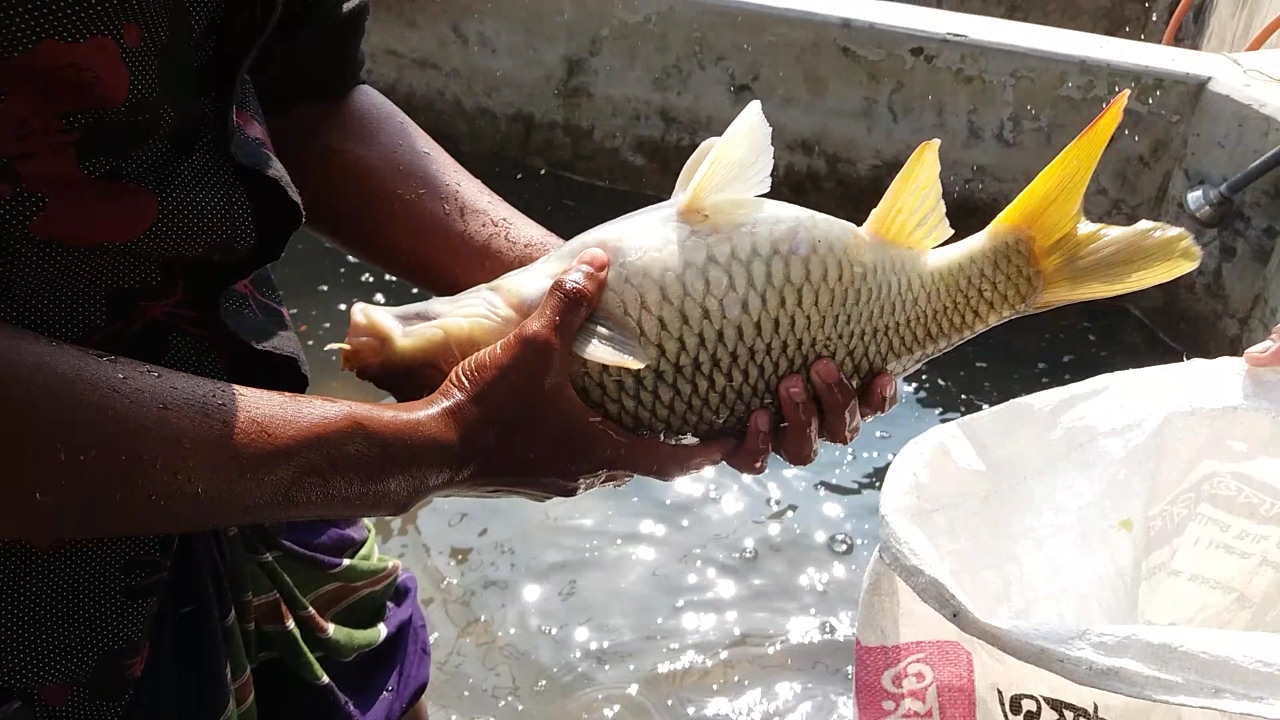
x: 184, y: 532
x: 1267, y: 352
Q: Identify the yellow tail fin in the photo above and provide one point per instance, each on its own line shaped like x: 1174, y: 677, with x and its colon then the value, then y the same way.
x: 1081, y: 260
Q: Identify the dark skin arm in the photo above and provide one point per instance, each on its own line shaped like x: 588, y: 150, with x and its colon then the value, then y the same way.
x: 105, y: 446
x: 378, y: 186
x: 114, y: 447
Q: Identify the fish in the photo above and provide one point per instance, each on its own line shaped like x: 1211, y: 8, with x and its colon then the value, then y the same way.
x: 716, y: 293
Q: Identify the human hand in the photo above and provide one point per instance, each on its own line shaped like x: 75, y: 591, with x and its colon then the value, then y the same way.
x: 519, y: 424
x: 836, y: 417
x: 1265, y: 353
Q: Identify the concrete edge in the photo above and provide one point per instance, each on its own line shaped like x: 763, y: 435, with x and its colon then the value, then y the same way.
x: 1240, y: 75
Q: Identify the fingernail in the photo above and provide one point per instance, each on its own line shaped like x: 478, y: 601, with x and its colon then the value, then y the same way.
x: 593, y: 259
x: 890, y: 394
x: 761, y: 423
x: 828, y: 372
x: 1261, y: 347
x: 798, y: 393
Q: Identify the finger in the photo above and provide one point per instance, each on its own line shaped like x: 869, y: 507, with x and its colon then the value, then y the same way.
x: 1265, y: 353
x: 798, y: 443
x: 878, y: 396
x: 837, y: 400
x: 573, y: 296
x: 751, y: 456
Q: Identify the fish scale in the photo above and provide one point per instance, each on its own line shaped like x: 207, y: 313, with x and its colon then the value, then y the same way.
x: 706, y: 382
x: 716, y: 294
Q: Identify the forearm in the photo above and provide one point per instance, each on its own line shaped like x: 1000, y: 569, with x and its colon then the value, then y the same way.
x: 378, y: 186
x: 109, y: 446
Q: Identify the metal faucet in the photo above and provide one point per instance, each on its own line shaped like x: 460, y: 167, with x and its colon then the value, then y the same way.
x: 1210, y: 204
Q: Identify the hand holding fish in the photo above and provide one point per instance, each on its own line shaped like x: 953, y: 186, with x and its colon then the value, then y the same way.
x: 718, y: 297
x: 521, y: 424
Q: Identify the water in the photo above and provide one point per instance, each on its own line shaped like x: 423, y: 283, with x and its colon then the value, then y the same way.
x: 718, y: 595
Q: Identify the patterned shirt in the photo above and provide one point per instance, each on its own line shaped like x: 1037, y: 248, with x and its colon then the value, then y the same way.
x: 140, y: 206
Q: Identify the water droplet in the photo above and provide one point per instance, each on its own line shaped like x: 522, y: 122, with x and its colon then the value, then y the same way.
x: 840, y: 544
x: 749, y: 553
x: 882, y: 434
x: 323, y: 288
x: 379, y: 298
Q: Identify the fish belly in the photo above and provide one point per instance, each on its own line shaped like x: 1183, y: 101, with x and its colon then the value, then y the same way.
x: 725, y: 312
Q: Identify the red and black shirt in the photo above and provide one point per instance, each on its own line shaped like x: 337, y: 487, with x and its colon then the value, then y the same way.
x: 140, y: 207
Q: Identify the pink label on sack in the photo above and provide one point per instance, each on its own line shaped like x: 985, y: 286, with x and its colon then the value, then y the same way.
x: 930, y: 679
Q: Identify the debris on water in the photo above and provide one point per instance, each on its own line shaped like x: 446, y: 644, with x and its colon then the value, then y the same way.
x: 784, y: 512
x: 840, y: 544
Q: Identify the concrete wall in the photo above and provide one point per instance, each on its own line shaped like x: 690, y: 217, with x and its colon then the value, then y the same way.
x: 1130, y: 19
x: 622, y: 91
x: 1236, y: 297
x: 1233, y: 23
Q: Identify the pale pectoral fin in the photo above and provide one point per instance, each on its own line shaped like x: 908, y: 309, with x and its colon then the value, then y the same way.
x: 691, y: 166
x: 598, y: 342
x: 912, y: 213
x: 738, y: 165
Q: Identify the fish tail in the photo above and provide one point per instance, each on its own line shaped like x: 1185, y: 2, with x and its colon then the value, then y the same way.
x: 1080, y: 260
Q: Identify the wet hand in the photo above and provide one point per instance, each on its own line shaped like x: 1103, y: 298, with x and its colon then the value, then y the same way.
x: 836, y: 417
x: 1265, y: 353
x: 521, y: 427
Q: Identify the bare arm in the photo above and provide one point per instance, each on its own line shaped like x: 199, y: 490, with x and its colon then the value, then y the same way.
x: 100, y: 447
x: 378, y: 186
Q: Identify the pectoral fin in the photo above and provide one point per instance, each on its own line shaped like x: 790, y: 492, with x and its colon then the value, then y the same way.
x: 604, y: 342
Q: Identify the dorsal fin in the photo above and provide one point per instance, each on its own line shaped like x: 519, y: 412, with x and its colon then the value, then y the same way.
x: 738, y: 165
x: 691, y: 166
x: 912, y: 213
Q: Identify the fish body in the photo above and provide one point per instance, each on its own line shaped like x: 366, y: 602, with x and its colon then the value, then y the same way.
x: 716, y: 294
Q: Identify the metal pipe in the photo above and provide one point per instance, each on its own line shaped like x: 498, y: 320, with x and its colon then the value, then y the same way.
x: 1210, y: 205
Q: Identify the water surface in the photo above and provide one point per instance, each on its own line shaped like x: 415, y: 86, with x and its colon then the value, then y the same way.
x: 718, y: 595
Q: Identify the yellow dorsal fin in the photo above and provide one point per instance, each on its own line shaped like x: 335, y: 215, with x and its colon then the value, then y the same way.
x: 1053, y: 204
x: 691, y: 166
x: 912, y: 213
x: 738, y: 165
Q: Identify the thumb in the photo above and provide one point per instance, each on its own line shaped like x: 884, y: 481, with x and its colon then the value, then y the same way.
x: 573, y: 295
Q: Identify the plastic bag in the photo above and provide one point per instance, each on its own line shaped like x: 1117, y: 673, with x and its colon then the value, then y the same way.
x: 1108, y: 549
